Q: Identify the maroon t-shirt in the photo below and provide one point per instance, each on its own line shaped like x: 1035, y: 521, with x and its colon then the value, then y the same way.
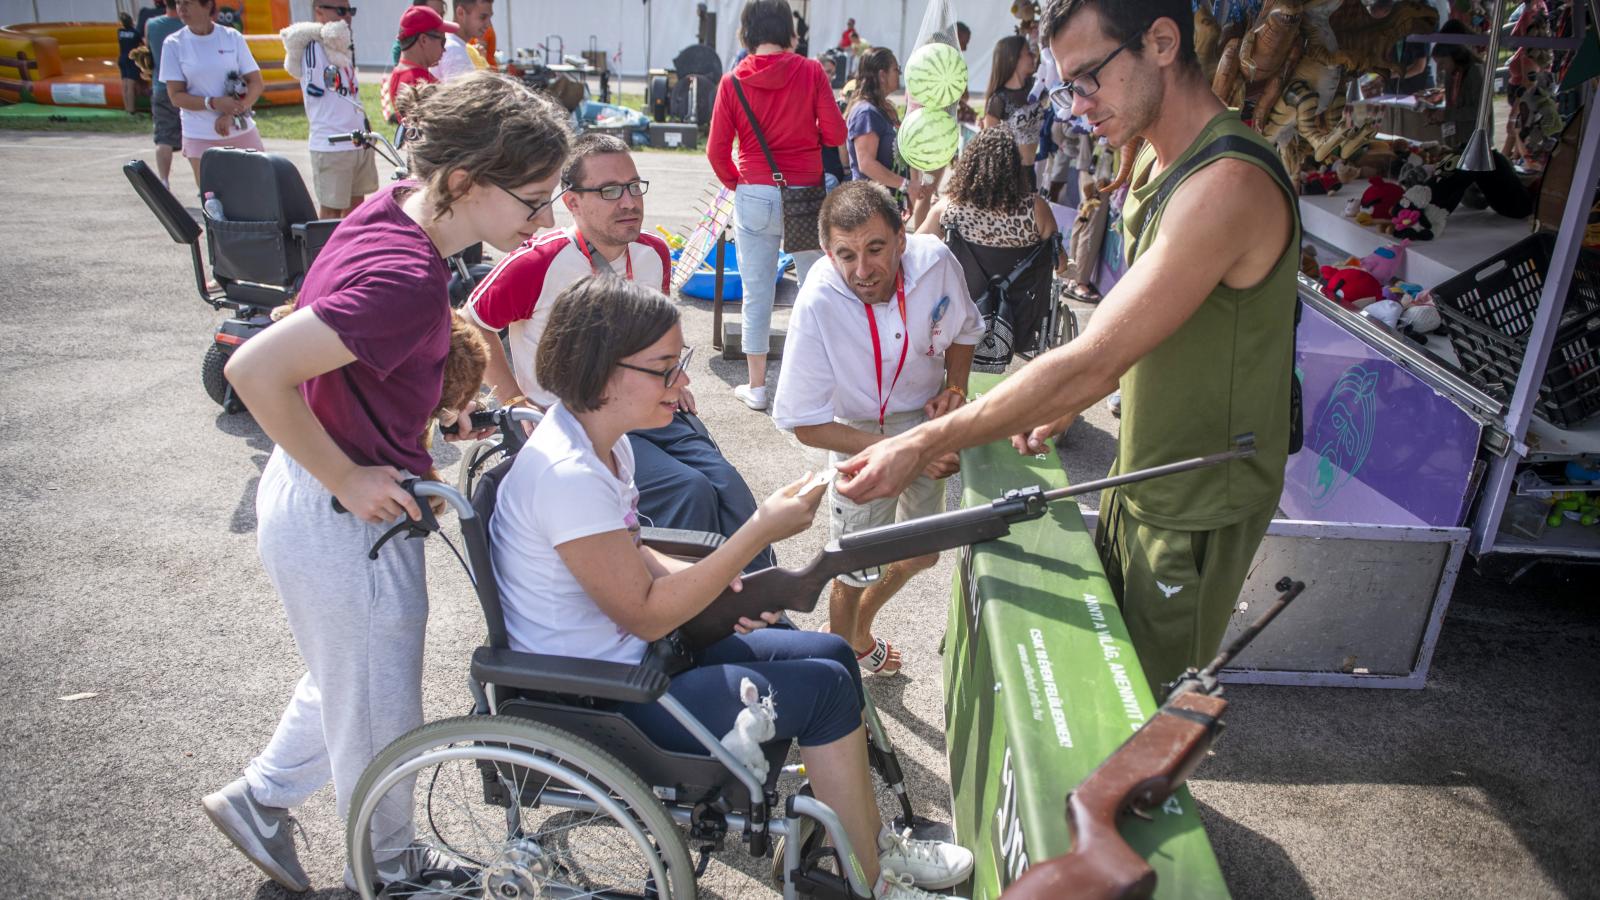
x: 381, y: 285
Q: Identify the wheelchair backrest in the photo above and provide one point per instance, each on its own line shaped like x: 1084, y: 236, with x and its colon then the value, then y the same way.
x: 263, y: 198
x: 1011, y: 286
x: 481, y: 552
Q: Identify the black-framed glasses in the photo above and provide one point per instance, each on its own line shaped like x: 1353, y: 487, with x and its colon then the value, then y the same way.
x: 669, y: 377
x: 534, y: 209
x: 1087, y: 83
x: 339, y: 10
x: 613, y: 192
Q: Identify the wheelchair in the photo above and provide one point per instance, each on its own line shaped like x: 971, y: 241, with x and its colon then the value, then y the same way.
x: 546, y: 790
x: 262, y: 247
x: 1022, y: 300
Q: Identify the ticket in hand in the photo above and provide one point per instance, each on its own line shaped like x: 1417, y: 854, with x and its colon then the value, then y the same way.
x: 821, y: 479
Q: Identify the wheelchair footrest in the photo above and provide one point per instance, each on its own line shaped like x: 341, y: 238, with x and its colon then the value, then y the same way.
x: 568, y: 675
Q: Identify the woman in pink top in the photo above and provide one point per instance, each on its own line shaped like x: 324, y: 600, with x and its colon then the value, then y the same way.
x: 346, y: 386
x: 793, y: 102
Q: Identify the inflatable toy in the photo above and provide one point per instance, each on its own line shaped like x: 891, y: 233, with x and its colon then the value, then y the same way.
x: 936, y: 75
x: 929, y: 138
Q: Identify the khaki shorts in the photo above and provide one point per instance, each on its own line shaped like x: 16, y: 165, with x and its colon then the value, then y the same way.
x: 924, y: 497
x: 340, y: 175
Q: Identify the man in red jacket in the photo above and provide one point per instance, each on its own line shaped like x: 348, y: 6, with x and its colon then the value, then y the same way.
x: 792, y: 102
x: 850, y: 36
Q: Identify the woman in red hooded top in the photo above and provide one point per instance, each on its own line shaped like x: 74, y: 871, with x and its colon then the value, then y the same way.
x: 792, y: 100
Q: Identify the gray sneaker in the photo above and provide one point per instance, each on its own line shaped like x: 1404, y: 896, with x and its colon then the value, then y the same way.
x: 264, y: 834
x: 416, y: 871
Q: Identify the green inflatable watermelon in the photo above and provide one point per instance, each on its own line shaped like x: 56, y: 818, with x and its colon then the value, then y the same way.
x: 929, y: 138
x: 936, y: 75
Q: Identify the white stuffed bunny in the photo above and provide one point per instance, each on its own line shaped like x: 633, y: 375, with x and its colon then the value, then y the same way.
x: 757, y: 723
x: 334, y: 37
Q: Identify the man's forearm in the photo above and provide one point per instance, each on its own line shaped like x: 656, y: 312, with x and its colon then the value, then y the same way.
x: 836, y: 437
x: 958, y: 365
x: 1052, y: 387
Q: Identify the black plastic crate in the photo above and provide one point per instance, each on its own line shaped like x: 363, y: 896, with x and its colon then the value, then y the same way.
x: 1489, y: 309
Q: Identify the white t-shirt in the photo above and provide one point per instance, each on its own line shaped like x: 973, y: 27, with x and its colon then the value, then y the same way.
x: 333, y: 101
x: 828, y: 372
x: 557, y: 491
x: 203, y: 64
x: 456, y: 60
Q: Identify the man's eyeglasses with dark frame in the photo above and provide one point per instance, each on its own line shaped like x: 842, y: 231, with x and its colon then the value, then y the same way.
x: 668, y: 377
x: 611, y: 193
x: 340, y: 11
x: 534, y: 209
x: 1087, y: 84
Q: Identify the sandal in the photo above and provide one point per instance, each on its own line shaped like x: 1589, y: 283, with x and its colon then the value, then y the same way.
x: 876, y: 661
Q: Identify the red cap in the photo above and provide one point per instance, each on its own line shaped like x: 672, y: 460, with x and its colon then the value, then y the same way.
x: 420, y: 20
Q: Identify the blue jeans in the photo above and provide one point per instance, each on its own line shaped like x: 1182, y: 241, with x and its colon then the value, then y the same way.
x: 684, y: 481
x: 814, y: 679
x: 758, y: 230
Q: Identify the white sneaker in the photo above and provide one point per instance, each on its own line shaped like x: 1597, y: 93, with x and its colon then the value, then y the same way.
x: 891, y: 886
x: 753, y: 397
x: 930, y: 864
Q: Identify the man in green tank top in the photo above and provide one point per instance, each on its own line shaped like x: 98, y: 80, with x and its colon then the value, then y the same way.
x: 1198, y: 334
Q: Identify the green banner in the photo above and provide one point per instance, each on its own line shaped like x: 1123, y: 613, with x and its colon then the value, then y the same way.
x: 1041, y: 685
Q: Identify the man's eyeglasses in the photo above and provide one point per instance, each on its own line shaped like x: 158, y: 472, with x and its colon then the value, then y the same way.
x: 339, y: 10
x: 613, y: 192
x: 669, y: 377
x: 1087, y: 83
x: 534, y: 209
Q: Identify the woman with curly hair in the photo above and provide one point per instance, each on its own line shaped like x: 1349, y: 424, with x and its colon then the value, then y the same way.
x: 987, y: 200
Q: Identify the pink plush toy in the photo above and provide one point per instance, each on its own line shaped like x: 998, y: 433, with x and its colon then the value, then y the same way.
x: 1385, y: 262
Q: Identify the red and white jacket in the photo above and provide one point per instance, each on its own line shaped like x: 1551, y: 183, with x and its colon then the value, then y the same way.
x: 518, y: 294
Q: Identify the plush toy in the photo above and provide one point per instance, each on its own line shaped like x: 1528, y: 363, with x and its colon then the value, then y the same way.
x: 1316, y: 184
x: 464, y: 366
x: 1379, y: 200
x: 1417, y: 217
x: 1352, y: 208
x: 757, y: 723
x: 1308, y: 261
x: 1385, y: 263
x: 1415, y: 170
x: 1420, y: 315
x: 334, y: 38
x: 1386, y: 311
x: 1352, y: 287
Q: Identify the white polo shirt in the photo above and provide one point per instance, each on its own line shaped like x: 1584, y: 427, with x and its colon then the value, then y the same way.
x: 456, y: 60
x: 828, y: 373
x: 517, y: 295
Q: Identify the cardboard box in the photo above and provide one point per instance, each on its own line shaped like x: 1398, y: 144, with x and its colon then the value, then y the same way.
x: 673, y: 135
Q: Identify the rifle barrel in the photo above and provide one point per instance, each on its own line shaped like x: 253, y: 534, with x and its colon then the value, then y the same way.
x: 1288, y: 591
x: 1243, y: 449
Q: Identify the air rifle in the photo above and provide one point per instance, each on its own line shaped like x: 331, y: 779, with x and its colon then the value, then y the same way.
x: 774, y: 588
x: 1135, y: 779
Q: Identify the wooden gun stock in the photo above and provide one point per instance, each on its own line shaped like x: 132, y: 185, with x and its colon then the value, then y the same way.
x: 1138, y: 778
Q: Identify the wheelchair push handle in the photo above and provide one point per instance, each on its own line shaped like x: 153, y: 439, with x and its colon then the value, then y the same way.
x: 370, y: 139
x: 421, y: 490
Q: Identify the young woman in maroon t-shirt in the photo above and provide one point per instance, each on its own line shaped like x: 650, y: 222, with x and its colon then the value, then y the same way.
x: 346, y: 386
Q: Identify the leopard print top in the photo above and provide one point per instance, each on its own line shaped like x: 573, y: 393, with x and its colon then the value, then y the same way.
x: 993, y: 229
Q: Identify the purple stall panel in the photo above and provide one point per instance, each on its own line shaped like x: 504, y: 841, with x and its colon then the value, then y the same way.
x: 1382, y: 446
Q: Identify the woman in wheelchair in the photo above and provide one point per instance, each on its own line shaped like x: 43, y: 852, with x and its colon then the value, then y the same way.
x: 575, y: 581
x: 987, y: 201
x: 346, y: 386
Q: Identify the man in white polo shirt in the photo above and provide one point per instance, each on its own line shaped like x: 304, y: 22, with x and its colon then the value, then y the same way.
x: 878, y: 342
x: 472, y: 17
x: 683, y: 479
x: 343, y: 174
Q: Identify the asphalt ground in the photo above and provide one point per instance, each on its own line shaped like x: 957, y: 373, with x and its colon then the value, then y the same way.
x: 129, y: 573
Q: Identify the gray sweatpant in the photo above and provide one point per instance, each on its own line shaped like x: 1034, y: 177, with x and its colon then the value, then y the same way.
x: 359, y: 626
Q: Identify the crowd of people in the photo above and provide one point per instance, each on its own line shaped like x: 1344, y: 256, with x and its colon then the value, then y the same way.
x: 876, y: 364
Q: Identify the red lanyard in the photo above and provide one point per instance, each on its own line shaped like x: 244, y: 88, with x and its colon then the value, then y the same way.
x: 583, y: 247
x: 877, y: 348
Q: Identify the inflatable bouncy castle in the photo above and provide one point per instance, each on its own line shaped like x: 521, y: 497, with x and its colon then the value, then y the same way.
x: 75, y: 63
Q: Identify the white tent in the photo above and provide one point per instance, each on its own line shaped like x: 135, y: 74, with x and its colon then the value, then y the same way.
x: 619, y: 27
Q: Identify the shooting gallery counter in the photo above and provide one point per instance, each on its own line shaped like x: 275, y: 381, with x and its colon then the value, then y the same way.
x: 1041, y: 685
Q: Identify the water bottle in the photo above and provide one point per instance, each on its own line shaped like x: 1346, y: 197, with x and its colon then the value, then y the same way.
x: 213, y: 207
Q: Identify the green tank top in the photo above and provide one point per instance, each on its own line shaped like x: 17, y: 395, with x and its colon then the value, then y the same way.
x: 1223, y: 373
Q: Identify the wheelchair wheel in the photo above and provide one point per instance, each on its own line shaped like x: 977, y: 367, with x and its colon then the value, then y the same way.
x: 215, y: 382
x: 479, y: 458
x: 516, y: 809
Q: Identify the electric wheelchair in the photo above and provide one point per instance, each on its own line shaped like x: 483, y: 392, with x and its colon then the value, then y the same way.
x: 546, y: 790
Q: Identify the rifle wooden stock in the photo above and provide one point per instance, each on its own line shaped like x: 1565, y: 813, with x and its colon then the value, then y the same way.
x: 1139, y: 777
x: 776, y: 588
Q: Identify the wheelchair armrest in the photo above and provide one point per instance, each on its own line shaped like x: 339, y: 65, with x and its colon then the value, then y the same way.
x: 568, y: 675
x: 311, y: 236
x: 680, y: 542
